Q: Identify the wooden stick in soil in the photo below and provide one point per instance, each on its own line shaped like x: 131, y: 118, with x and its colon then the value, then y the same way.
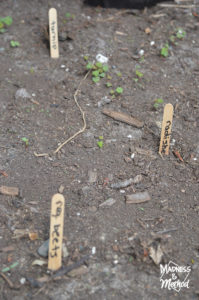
x: 166, y: 129
x: 53, y: 33
x: 56, y: 232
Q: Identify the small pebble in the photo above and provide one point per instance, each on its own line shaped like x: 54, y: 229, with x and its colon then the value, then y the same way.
x: 152, y: 43
x: 43, y: 249
x: 93, y: 250
x: 22, y: 280
x: 141, y: 52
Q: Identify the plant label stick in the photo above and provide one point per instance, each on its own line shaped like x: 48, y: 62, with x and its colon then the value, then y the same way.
x: 56, y: 232
x: 53, y: 33
x: 166, y: 129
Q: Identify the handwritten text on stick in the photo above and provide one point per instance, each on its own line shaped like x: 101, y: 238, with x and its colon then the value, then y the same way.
x: 166, y: 129
x: 53, y: 33
x: 56, y: 232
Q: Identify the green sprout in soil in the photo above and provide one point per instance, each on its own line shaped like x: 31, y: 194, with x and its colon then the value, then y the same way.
x: 180, y: 33
x: 100, y: 143
x: 14, y: 44
x: 109, y: 84
x: 5, y: 22
x: 26, y: 141
x: 98, y: 70
x: 165, y: 50
x: 69, y: 16
x: 157, y: 103
x: 119, y: 90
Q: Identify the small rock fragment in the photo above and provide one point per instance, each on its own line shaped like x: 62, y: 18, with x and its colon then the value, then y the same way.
x: 108, y: 202
x: 61, y: 188
x: 92, y: 176
x: 122, y: 184
x: 138, y: 198
x: 92, y: 209
x: 137, y: 179
x: 22, y: 93
x: 101, y: 58
x: 10, y: 191
x: 39, y: 262
x: 77, y: 272
x: 64, y: 251
x: 43, y: 249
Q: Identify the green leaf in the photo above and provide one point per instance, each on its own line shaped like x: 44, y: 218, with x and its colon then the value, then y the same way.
x: 119, y: 74
x: 139, y: 74
x: 98, y: 65
x: 95, y: 79
x: 119, y: 90
x: 159, y: 101
x: 14, y: 44
x: 102, y: 75
x: 1, y: 24
x: 109, y: 77
x: 100, y: 144
x: 89, y: 66
x: 25, y: 140
x: 112, y: 92
x: 68, y: 15
x: 172, y: 38
x: 7, y: 20
x: 85, y: 57
x: 105, y: 68
x: 95, y: 73
x: 101, y: 137
x: 135, y: 79
x: 108, y: 84
x: 180, y: 33
x: 2, y: 30
x: 165, y: 51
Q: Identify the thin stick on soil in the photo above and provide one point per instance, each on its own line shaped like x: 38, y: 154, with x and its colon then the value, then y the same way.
x: 9, y: 282
x: 83, y: 118
x: 82, y: 113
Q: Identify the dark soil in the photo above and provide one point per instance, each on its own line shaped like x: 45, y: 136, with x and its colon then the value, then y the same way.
x: 122, y: 233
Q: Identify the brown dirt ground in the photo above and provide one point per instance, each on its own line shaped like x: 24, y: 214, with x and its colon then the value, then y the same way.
x: 122, y: 233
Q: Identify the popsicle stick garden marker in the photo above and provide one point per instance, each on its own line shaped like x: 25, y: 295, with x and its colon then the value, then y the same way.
x: 56, y: 232
x: 166, y: 129
x: 53, y: 33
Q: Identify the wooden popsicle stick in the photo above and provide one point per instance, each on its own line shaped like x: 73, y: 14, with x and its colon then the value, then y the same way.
x: 166, y: 129
x: 53, y: 33
x: 56, y: 232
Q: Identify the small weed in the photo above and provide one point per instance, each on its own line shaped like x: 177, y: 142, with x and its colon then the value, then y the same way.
x: 85, y: 57
x: 119, y: 74
x: 139, y: 74
x: 5, y: 22
x: 157, y: 103
x: 119, y: 90
x: 26, y: 141
x: 100, y: 143
x: 14, y: 44
x: 165, y: 50
x: 109, y: 84
x: 69, y: 16
x: 99, y: 70
x: 180, y: 33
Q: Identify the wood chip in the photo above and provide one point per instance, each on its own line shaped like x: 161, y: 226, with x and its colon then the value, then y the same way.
x: 138, y: 198
x: 118, y: 116
x: 79, y: 271
x: 8, y: 190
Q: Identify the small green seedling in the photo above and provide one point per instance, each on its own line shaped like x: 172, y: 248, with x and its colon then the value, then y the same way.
x: 139, y: 74
x: 99, y: 70
x: 85, y: 57
x: 165, y: 50
x: 157, y: 103
x: 109, y: 84
x: 5, y: 22
x: 14, y: 44
x: 26, y: 141
x: 119, y: 90
x: 180, y: 33
x: 119, y: 74
x: 100, y: 143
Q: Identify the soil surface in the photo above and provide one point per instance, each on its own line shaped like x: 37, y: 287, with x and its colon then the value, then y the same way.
x: 117, y: 247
